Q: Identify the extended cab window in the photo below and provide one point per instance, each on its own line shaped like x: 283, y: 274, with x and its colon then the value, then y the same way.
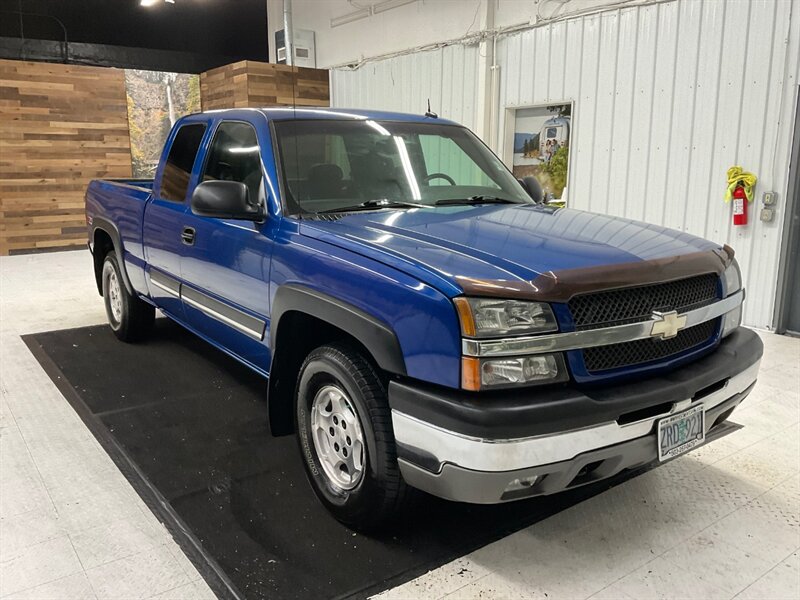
x: 178, y: 169
x: 234, y: 156
x: 332, y: 164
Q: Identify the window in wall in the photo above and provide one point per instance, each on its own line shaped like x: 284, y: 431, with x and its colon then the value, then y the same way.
x: 180, y: 160
x: 234, y: 156
x: 540, y: 147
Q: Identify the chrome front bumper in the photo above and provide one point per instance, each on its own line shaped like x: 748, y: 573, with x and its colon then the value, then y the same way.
x: 487, y: 471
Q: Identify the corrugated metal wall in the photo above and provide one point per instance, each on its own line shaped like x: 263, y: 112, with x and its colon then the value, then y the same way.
x: 667, y: 97
x: 448, y: 76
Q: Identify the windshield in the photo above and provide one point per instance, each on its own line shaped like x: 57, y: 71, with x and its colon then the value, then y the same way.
x: 330, y: 165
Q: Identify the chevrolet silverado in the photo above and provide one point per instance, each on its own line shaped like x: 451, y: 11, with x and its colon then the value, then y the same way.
x: 423, y: 318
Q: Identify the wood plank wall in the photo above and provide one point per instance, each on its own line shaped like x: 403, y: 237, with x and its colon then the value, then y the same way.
x: 249, y: 83
x: 224, y: 87
x: 60, y: 126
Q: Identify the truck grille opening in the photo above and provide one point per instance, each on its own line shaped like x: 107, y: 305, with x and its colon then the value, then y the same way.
x: 630, y: 305
x: 603, y: 358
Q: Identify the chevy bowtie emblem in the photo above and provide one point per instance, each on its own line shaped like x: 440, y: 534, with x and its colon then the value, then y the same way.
x: 667, y: 324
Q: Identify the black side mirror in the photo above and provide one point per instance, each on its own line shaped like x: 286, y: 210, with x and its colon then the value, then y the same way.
x: 224, y: 200
x: 533, y: 187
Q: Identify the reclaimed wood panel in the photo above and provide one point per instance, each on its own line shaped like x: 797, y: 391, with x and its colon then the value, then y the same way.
x: 60, y: 126
x: 254, y: 84
x: 224, y: 87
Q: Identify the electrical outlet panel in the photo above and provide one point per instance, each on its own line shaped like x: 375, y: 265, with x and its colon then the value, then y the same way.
x: 767, y: 215
x: 769, y: 199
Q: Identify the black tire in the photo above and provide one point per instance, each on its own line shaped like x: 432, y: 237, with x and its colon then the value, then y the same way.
x: 132, y: 320
x: 380, y: 495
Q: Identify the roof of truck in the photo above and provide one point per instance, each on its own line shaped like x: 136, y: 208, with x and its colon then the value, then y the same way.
x: 283, y: 114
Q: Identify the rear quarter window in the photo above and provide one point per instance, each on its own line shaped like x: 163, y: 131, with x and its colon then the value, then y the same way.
x: 181, y: 157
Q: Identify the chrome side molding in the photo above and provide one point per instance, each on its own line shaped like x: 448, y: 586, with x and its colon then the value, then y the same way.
x: 220, y: 311
x: 165, y: 283
x: 215, y: 309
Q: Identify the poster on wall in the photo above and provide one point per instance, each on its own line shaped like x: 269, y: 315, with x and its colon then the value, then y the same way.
x: 155, y: 101
x: 541, y: 147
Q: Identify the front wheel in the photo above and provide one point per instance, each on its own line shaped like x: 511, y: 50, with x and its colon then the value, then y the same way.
x: 130, y: 318
x: 344, y: 430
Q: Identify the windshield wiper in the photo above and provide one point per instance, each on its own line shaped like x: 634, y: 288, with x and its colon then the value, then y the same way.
x: 372, y: 204
x: 480, y: 199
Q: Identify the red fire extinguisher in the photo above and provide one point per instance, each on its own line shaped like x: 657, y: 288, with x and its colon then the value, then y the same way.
x: 741, y: 186
x: 739, y: 206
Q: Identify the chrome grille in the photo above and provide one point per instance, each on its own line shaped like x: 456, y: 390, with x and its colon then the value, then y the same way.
x: 603, y: 358
x: 630, y: 305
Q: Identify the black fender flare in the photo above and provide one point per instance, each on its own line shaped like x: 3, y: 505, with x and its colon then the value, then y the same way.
x: 99, y: 223
x: 376, y: 336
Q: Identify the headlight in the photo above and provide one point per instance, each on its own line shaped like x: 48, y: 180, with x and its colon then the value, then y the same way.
x: 732, y: 279
x: 478, y: 374
x: 731, y: 321
x: 485, y: 317
x: 731, y: 283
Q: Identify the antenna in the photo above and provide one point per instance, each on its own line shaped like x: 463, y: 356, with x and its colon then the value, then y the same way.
x: 429, y: 112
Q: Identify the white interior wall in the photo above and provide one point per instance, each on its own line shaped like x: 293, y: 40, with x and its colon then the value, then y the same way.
x: 448, y: 76
x: 406, y: 26
x: 667, y: 97
x: 433, y: 20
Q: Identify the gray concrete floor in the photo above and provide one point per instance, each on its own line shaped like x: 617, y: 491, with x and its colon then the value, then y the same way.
x: 721, y: 522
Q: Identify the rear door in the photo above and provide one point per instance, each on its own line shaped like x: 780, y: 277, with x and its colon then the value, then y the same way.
x: 163, y: 234
x: 226, y: 269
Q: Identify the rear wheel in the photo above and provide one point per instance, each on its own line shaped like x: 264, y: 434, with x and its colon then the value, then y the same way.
x: 345, y: 435
x: 130, y: 318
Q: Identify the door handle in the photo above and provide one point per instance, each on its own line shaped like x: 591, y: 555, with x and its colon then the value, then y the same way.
x: 187, y: 236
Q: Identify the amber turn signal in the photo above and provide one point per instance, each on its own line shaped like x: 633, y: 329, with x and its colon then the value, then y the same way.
x: 465, y: 316
x: 470, y: 373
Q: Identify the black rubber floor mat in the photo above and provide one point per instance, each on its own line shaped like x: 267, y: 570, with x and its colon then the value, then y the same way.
x: 188, y: 426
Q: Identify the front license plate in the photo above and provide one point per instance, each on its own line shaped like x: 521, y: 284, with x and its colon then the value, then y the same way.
x: 681, y: 432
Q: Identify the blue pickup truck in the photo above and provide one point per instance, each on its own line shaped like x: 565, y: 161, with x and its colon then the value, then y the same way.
x: 423, y: 318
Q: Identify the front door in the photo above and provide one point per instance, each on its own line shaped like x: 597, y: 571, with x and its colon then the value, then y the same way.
x: 164, y: 219
x: 226, y: 269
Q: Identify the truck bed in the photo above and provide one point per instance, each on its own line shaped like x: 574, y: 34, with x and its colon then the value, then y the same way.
x: 121, y: 204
